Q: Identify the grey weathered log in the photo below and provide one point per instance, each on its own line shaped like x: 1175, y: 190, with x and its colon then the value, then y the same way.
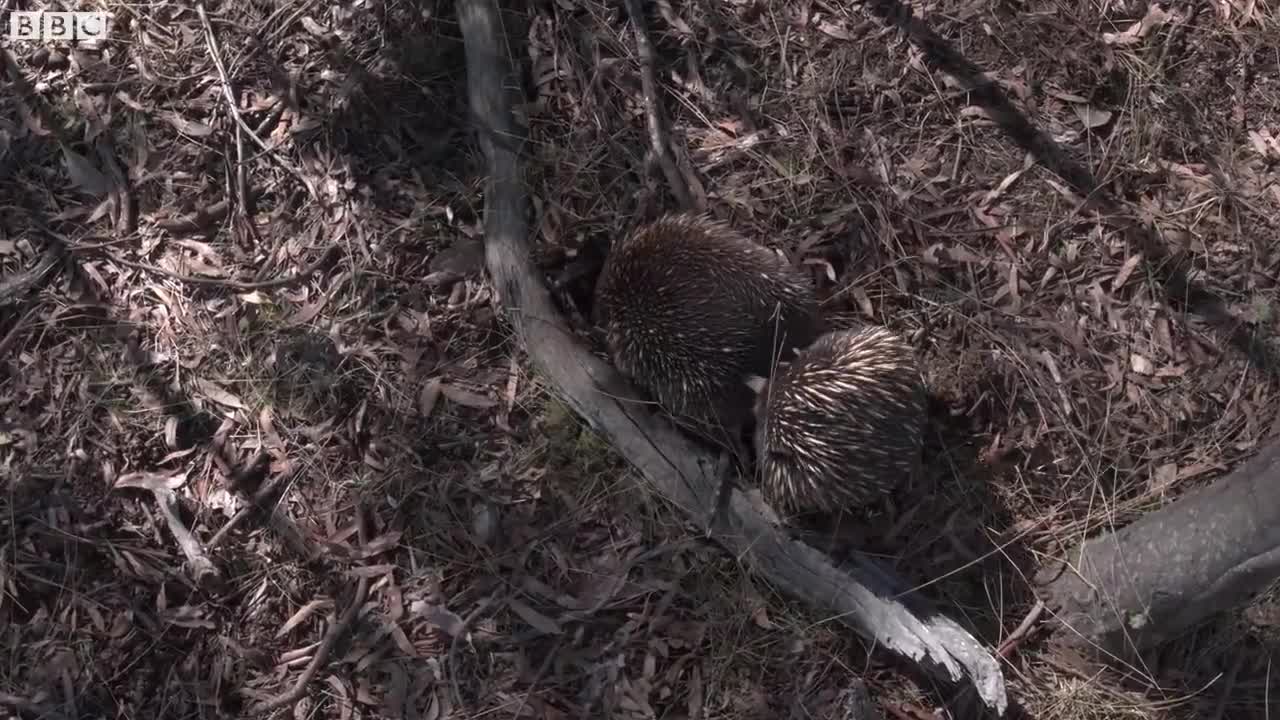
x: 1209, y: 551
x: 674, y: 466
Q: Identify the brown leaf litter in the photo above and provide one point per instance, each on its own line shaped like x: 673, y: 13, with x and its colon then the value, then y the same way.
x: 286, y: 277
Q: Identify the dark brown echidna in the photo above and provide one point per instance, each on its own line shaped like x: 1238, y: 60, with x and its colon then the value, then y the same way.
x: 690, y: 309
x: 840, y: 425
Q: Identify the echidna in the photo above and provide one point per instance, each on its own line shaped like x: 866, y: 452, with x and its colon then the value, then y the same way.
x: 840, y: 425
x: 690, y: 309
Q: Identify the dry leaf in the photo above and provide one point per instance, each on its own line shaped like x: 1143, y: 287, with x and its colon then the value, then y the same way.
x: 464, y: 257
x: 1092, y: 117
x: 171, y: 432
x: 443, y: 618
x: 83, y: 174
x: 187, y: 127
x: 1140, y: 364
x: 204, y: 250
x: 129, y: 102
x: 1065, y: 96
x: 864, y: 302
x: 308, y: 312
x: 1197, y: 469
x: 314, y: 27
x: 484, y: 523
x: 939, y: 255
x: 306, y: 124
x: 90, y: 112
x: 428, y: 397
x: 838, y: 32
x: 466, y: 398
x: 344, y: 699
x: 301, y: 615
x: 1265, y: 143
x: 1125, y: 271
x: 218, y: 395
x: 1009, y: 179
x: 195, y: 265
x: 188, y: 616
x: 141, y: 147
x: 1164, y: 477
x: 1154, y: 18
x: 761, y: 617
x: 536, y: 620
x: 380, y: 544
x: 152, y: 480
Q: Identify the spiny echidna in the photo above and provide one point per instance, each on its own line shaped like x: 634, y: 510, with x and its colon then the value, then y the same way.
x: 690, y: 309
x: 840, y: 425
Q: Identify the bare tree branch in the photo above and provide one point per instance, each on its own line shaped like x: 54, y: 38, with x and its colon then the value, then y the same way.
x: 653, y: 115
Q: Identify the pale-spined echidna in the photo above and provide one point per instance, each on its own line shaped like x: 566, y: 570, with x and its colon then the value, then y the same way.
x: 690, y: 309
x: 840, y: 425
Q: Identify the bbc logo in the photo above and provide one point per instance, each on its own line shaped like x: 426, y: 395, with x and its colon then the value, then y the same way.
x: 46, y: 26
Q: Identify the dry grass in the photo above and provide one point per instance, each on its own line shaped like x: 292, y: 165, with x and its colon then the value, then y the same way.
x: 514, y: 565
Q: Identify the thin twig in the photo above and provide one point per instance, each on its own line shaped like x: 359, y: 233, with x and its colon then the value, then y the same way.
x: 259, y: 502
x: 11, y: 337
x: 1024, y: 629
x: 653, y: 111
x: 216, y: 54
x: 537, y: 678
x: 322, y: 653
x: 1228, y: 685
x: 335, y: 631
x: 19, y: 283
x: 242, y: 173
x: 463, y: 631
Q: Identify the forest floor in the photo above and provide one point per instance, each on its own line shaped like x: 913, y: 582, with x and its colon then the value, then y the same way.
x: 183, y: 294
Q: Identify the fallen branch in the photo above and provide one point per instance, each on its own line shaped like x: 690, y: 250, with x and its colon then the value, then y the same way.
x: 1207, y: 552
x: 162, y: 486
x: 675, y: 467
x: 260, y: 501
x: 653, y: 110
x: 203, y: 570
